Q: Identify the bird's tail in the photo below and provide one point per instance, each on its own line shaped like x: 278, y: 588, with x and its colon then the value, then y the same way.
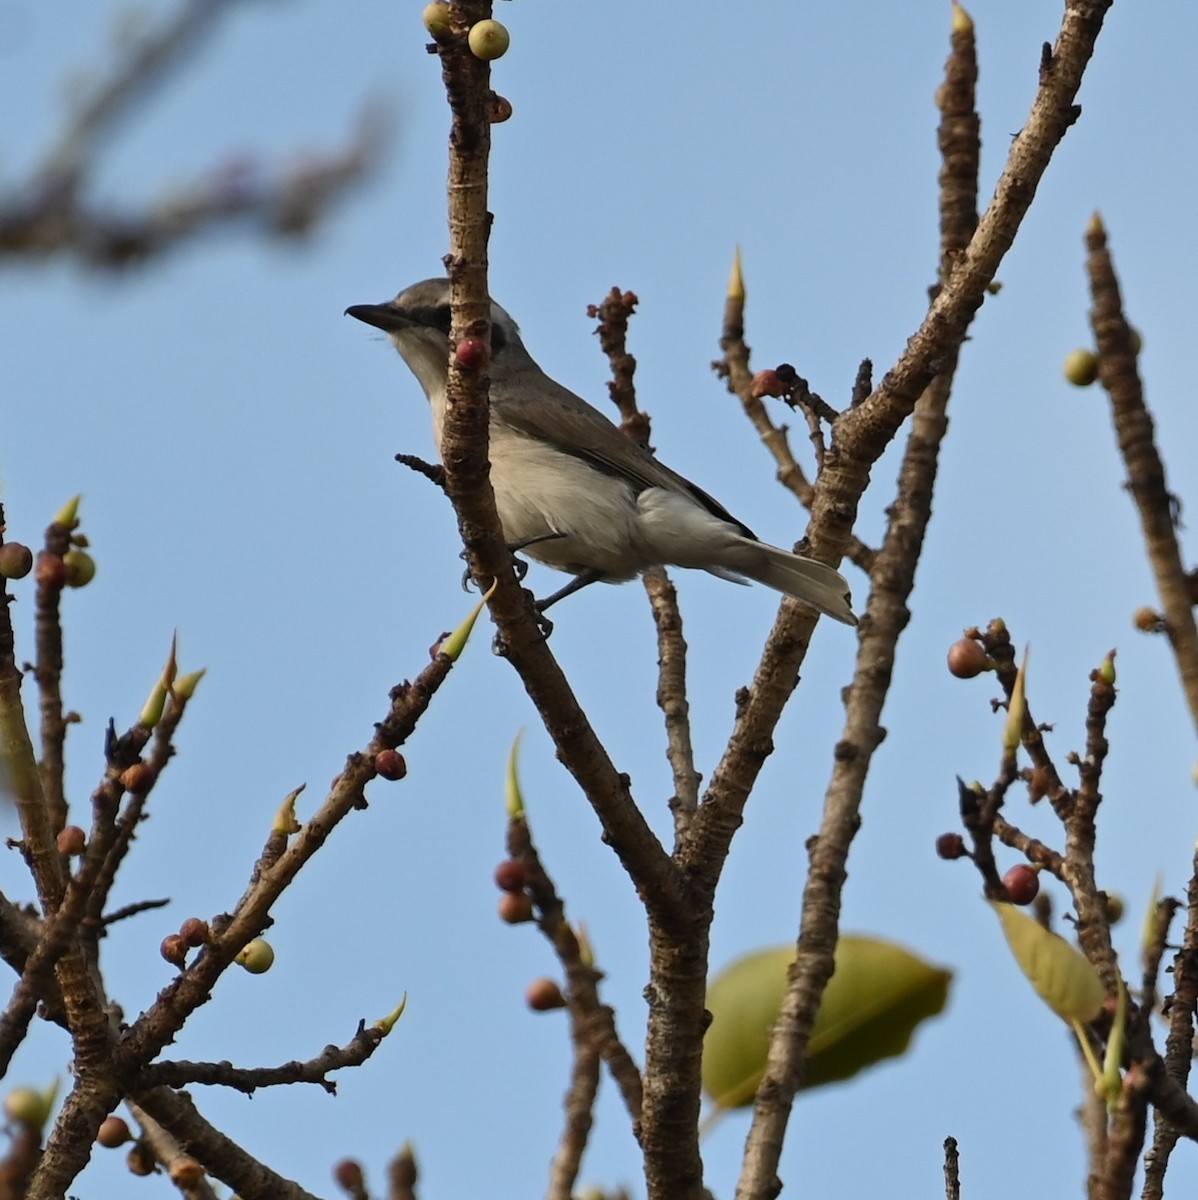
x: 803, y: 578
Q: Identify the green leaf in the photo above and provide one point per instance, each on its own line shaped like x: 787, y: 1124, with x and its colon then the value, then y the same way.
x: 871, y: 1007
x: 1060, y: 973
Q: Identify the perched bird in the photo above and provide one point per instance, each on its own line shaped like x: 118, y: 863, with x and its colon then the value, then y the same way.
x: 572, y: 490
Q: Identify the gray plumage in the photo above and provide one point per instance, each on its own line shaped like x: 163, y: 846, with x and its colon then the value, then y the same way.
x: 572, y: 490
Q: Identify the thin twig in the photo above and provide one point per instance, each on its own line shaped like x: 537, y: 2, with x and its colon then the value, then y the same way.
x: 179, y: 1073
x: 582, y: 979
x: 1145, y: 471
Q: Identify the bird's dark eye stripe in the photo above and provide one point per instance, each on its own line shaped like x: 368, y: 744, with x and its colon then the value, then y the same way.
x: 430, y: 316
x: 437, y: 316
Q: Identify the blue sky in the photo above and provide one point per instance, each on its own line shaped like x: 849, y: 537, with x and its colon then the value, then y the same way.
x: 233, y: 437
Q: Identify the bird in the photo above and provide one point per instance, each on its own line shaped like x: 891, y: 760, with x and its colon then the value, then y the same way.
x: 574, y: 492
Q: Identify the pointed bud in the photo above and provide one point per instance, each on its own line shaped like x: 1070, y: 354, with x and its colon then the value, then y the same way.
x: 285, y: 822
x: 586, y: 949
x: 736, y: 284
x: 185, y: 685
x: 388, y: 1022
x: 962, y: 21
x: 1096, y: 226
x: 513, y: 797
x: 1148, y: 929
x: 1016, y: 710
x: 68, y: 515
x: 1106, y: 670
x: 155, y: 705
x: 453, y: 645
x: 1112, y: 1079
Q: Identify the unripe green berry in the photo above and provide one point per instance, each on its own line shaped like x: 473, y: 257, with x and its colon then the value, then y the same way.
x: 257, y: 956
x: 81, y: 568
x: 1081, y: 368
x: 488, y: 40
x: 26, y: 1106
x: 436, y: 19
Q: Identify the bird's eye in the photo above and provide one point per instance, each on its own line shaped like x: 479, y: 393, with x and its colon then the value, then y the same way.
x: 498, y: 338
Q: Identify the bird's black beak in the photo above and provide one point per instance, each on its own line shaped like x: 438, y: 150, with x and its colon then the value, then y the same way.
x: 382, y: 316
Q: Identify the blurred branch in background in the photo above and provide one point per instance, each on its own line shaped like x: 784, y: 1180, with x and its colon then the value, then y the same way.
x: 52, y: 212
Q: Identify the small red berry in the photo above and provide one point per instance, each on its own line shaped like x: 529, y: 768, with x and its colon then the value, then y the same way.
x: 174, y: 950
x: 509, y: 875
x: 140, y: 1160
x: 544, y: 995
x: 195, y: 932
x: 1148, y: 620
x: 951, y: 845
x: 1022, y: 883
x: 768, y: 383
x: 966, y: 658
x: 186, y: 1173
x: 137, y: 778
x: 499, y: 110
x: 349, y: 1176
x: 390, y: 764
x: 72, y: 841
x: 471, y: 354
x: 515, y: 907
x: 16, y: 561
x: 113, y: 1132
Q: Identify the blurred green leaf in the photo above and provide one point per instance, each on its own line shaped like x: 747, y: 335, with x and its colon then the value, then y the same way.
x: 1060, y: 973
x: 871, y: 1007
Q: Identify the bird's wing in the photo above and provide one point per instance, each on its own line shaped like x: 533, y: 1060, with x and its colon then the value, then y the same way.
x: 566, y: 421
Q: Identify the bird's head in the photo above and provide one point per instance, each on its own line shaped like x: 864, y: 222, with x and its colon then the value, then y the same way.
x: 417, y: 321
